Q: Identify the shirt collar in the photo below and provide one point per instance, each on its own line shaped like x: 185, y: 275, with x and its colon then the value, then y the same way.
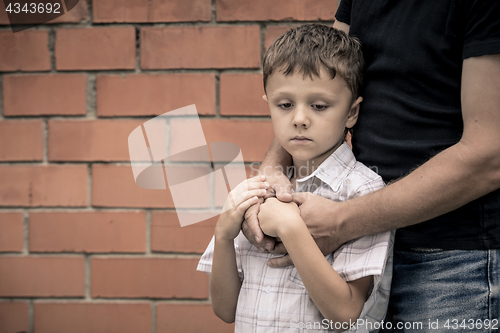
x: 334, y: 169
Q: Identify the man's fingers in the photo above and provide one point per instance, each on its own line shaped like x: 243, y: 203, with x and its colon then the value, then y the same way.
x: 283, y: 193
x: 251, y: 224
x: 279, y: 248
x: 267, y: 244
x: 299, y: 197
x: 280, y: 262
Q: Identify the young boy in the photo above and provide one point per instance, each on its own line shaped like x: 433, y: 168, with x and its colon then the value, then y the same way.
x: 312, y: 76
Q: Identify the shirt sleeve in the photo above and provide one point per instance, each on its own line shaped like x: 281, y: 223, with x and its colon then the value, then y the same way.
x: 344, y: 12
x: 366, y: 255
x: 205, y: 263
x: 362, y: 257
x: 481, y: 23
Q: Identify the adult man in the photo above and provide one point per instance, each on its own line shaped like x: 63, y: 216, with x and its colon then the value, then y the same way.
x: 430, y: 120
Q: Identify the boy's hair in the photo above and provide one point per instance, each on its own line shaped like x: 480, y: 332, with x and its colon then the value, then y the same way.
x: 308, y: 47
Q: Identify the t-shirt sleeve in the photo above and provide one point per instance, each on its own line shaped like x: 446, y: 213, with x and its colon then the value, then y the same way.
x: 481, y: 27
x: 205, y: 263
x: 344, y: 12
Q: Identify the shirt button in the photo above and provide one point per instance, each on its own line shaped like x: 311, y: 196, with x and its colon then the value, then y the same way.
x: 268, y: 289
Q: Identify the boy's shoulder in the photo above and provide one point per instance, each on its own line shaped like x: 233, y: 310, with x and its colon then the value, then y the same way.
x: 345, y: 174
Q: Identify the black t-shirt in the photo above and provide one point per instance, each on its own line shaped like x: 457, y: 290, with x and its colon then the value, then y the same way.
x: 411, y: 111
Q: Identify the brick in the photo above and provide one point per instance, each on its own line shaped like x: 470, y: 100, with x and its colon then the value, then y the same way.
x: 88, y: 232
x: 253, y: 137
x: 200, y: 47
x: 142, y: 11
x: 278, y: 10
x: 241, y: 94
x: 43, y: 185
x: 92, y: 317
x: 21, y: 140
x: 49, y: 94
x: 91, y: 140
x: 95, y: 48
x: 79, y: 13
x: 11, y: 232
x: 179, y: 318
x: 114, y: 186
x: 42, y: 276
x: 147, y: 277
x: 145, y: 95
x: 273, y: 32
x: 14, y: 317
x: 24, y: 51
x: 168, y: 236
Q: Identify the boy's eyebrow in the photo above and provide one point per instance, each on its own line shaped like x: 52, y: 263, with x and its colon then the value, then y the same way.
x: 313, y: 95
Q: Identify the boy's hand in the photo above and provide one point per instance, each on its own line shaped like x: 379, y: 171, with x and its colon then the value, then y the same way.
x: 274, y: 216
x: 242, y: 197
x: 318, y: 214
x: 280, y: 187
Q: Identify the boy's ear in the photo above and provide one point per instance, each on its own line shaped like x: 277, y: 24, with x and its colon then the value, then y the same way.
x: 353, y: 113
x: 264, y: 97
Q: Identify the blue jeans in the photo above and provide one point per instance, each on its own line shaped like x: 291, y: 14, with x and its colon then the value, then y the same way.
x: 445, y: 291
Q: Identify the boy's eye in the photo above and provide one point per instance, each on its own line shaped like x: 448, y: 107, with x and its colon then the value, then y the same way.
x: 319, y: 107
x: 285, y: 106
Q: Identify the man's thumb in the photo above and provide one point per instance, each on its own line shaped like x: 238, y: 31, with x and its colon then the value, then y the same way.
x: 283, y: 193
x: 299, y: 197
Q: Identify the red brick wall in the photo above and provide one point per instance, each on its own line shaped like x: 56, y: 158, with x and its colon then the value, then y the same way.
x: 82, y: 248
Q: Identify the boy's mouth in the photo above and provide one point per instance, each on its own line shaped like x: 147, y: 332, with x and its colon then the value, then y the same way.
x: 300, y: 139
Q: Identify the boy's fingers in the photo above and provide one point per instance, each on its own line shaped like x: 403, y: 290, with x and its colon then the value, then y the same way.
x: 246, y: 204
x: 259, y: 178
x: 280, y: 262
x: 257, y: 185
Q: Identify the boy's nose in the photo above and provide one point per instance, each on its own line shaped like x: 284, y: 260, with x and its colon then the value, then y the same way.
x: 300, y: 118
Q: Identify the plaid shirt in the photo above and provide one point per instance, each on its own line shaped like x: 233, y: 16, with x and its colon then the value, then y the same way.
x: 275, y: 300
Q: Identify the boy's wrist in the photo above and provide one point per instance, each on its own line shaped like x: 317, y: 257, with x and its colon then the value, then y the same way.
x: 220, y: 237
x: 291, y: 228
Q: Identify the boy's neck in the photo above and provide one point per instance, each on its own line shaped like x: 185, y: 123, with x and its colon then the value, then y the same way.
x: 303, y: 168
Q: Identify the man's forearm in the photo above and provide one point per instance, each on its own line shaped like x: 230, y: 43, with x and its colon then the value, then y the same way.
x: 451, y: 179
x: 277, y: 159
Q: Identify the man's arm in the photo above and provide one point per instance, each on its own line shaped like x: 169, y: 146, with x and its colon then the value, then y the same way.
x: 452, y: 178
x: 341, y: 26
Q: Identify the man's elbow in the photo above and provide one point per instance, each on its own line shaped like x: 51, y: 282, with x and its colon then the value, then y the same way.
x: 482, y: 162
x: 225, y: 315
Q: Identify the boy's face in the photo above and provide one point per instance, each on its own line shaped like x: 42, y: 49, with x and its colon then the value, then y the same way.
x: 310, y: 115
